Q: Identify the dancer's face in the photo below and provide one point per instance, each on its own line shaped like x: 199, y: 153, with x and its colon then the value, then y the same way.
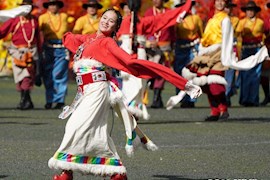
x: 92, y: 10
x: 126, y: 10
x: 228, y: 10
x: 158, y: 3
x: 220, y: 5
x: 53, y: 8
x: 108, y: 22
x: 250, y: 13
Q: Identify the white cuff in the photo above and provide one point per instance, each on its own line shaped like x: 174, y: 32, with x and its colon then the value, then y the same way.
x: 192, y: 90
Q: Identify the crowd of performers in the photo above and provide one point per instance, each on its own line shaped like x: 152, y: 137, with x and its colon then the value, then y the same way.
x: 118, y: 58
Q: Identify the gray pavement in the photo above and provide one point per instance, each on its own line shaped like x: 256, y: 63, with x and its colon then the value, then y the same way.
x: 189, y: 148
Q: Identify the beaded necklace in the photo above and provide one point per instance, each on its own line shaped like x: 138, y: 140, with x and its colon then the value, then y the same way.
x: 51, y: 23
x: 29, y: 41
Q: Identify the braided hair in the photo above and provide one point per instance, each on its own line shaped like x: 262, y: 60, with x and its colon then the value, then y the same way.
x: 118, y: 21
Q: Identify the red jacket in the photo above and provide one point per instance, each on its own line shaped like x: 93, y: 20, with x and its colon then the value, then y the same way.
x: 12, y: 25
x: 106, y: 51
x: 152, y: 24
x: 167, y: 34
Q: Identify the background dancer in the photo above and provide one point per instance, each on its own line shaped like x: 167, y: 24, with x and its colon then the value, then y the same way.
x: 251, y: 30
x: 188, y: 34
x: 24, y: 52
x: 132, y: 33
x: 164, y: 39
x: 54, y: 66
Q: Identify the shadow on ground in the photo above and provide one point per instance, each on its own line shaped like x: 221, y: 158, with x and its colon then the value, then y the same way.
x: 230, y: 120
x: 19, y: 123
x: 3, y: 176
x: 35, y: 109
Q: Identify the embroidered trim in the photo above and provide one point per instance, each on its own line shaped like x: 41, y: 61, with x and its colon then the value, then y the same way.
x: 130, y: 141
x: 93, y: 169
x: 134, y: 104
x: 90, y: 69
x: 87, y: 160
x: 87, y: 65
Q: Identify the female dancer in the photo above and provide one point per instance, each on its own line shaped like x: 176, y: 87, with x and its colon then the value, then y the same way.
x: 87, y: 146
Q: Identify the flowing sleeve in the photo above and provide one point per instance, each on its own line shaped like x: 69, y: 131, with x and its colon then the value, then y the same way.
x: 155, y: 23
x: 228, y: 57
x: 73, y: 41
x: 142, y: 68
x: 12, y: 13
x: 227, y: 43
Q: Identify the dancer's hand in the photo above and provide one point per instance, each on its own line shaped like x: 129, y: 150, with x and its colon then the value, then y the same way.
x: 173, y: 100
x: 181, y: 17
x: 193, y: 90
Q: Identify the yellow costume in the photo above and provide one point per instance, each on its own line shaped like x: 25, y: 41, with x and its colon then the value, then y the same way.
x: 234, y: 21
x: 213, y: 33
x: 188, y: 34
x: 86, y: 24
x: 55, y: 57
x: 190, y: 29
x: 209, y: 68
x: 251, y: 30
x: 53, y: 26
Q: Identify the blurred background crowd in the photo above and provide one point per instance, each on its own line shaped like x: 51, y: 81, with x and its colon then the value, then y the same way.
x: 177, y: 56
x: 74, y: 10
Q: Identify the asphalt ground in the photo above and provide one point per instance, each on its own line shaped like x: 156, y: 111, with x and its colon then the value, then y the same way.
x: 189, y: 148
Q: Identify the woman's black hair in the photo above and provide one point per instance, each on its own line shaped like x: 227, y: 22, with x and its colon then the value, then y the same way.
x: 118, y: 21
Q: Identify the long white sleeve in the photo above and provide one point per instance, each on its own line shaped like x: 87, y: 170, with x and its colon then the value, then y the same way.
x: 228, y: 57
x: 227, y: 54
x: 12, y: 13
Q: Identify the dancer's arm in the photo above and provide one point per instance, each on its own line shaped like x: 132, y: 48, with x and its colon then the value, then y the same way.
x: 145, y: 69
x: 156, y: 23
x: 229, y: 58
x: 73, y: 41
x: 227, y: 43
x: 7, y: 27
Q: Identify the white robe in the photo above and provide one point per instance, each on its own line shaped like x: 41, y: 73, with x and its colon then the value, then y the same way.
x: 87, y: 146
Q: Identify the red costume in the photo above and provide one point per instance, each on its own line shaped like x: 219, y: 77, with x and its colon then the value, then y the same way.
x: 147, y: 26
x: 165, y: 34
x: 24, y: 54
x: 164, y: 39
x: 11, y: 26
x: 108, y: 52
x: 151, y: 24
